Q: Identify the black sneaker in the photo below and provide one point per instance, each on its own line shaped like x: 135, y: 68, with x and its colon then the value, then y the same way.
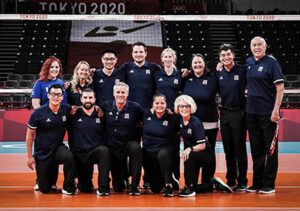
x: 168, y: 191
x: 175, y: 183
x: 127, y: 184
x: 103, y: 192
x: 146, y: 185
x: 53, y: 188
x: 188, y: 191
x: 252, y: 189
x: 266, y: 190
x: 221, y: 186
x: 240, y: 188
x: 69, y: 190
x: 134, y: 191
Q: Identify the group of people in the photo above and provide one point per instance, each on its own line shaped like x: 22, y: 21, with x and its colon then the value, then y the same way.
x: 110, y: 110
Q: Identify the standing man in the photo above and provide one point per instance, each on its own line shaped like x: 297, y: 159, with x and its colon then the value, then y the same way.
x: 104, y: 79
x: 232, y: 83
x: 265, y: 93
x: 48, y: 124
x: 122, y: 117
x: 140, y: 76
x: 88, y: 145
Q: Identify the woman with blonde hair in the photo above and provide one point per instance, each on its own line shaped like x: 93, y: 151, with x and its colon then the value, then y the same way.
x: 197, y: 150
x: 81, y: 80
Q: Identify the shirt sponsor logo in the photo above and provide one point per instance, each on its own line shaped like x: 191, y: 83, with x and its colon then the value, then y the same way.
x: 101, y: 81
x: 260, y: 69
x: 131, y: 71
x: 180, y: 125
x: 189, y: 131
x: 64, y: 118
x: 175, y: 81
x: 126, y: 116
x: 110, y: 113
x: 98, y: 120
x: 204, y: 82
x: 148, y: 71
x: 160, y: 79
x: 79, y: 120
x: 149, y: 118
x: 236, y: 77
x: 48, y: 120
x: 221, y: 78
x: 165, y: 123
x: 190, y: 79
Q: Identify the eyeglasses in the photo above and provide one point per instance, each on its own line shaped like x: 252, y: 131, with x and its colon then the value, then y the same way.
x: 55, y: 94
x: 109, y: 59
x: 184, y: 106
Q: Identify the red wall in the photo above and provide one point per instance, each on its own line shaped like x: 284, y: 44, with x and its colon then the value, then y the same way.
x: 13, y: 125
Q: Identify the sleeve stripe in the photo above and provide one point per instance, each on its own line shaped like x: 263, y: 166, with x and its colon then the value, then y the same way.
x: 201, y: 141
x: 31, y: 127
x: 279, y: 80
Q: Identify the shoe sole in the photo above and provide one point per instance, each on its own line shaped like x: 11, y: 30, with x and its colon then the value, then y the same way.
x: 185, y: 196
x: 168, y: 195
x: 134, y: 194
x: 266, y: 192
x: 99, y: 194
x: 251, y: 191
x: 176, y: 182
x: 67, y: 193
x: 227, y: 188
x: 241, y: 189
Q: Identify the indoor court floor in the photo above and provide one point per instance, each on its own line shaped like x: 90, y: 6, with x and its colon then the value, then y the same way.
x: 17, y: 181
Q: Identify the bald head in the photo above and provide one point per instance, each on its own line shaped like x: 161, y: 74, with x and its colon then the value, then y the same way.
x: 258, y: 47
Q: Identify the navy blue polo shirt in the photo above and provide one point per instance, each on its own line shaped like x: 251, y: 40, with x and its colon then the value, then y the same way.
x: 159, y: 132
x: 232, y: 86
x: 169, y: 85
x: 262, y: 75
x: 104, y: 84
x: 121, y: 125
x: 87, y: 131
x: 74, y: 98
x: 192, y: 133
x: 141, y: 82
x: 40, y: 90
x: 203, y: 90
x: 50, y: 129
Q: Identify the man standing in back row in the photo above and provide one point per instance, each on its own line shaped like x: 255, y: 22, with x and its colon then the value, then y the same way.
x: 265, y: 93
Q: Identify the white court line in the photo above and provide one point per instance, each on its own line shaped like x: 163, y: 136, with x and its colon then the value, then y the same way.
x: 59, y: 187
x: 151, y: 208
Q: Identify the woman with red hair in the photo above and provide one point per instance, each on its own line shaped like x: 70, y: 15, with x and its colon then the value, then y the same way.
x: 50, y: 74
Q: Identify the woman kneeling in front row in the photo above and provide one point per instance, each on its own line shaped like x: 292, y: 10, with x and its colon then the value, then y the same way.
x: 197, y: 152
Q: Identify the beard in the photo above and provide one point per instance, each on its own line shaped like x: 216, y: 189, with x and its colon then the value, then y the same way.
x: 88, y: 106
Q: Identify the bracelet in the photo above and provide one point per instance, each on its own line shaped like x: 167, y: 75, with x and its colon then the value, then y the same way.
x: 192, y: 149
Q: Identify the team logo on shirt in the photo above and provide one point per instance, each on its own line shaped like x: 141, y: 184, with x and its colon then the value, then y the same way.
x: 131, y: 71
x: 148, y: 71
x: 175, y: 81
x: 204, y: 82
x: 48, y: 120
x: 189, y: 131
x: 190, y: 79
x: 117, y: 81
x: 236, y: 77
x: 165, y: 123
x: 110, y: 113
x: 126, y: 116
x: 260, y: 69
x: 47, y: 89
x: 160, y: 79
x: 64, y: 118
x: 101, y: 81
x: 98, y: 120
x: 180, y: 125
x: 249, y: 67
x: 221, y: 78
x: 79, y: 120
x: 149, y: 118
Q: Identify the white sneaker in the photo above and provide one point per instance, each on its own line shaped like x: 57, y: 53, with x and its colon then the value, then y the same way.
x: 36, y: 187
